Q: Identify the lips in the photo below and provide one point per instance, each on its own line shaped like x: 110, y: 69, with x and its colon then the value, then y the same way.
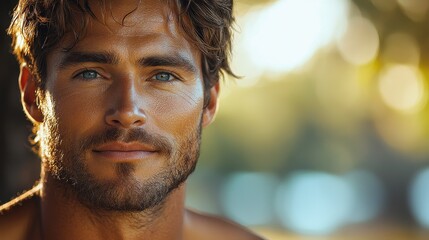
x: 125, y: 147
x: 124, y: 152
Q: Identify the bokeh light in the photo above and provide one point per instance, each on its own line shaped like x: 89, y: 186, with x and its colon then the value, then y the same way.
x: 405, y: 133
x: 414, y: 9
x: 401, y: 87
x: 368, y: 195
x: 360, y: 43
x: 419, y: 197
x: 314, y: 202
x: 287, y: 33
x: 247, y: 198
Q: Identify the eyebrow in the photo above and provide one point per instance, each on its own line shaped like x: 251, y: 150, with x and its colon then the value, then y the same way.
x: 168, y: 61
x: 73, y: 58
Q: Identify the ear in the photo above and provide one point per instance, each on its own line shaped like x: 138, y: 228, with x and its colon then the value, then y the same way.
x: 211, y: 109
x: 27, y: 86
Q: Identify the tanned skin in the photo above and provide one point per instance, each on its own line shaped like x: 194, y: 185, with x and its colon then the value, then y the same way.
x: 164, y: 97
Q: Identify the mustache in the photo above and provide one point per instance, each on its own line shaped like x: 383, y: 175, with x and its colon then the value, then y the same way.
x: 132, y: 135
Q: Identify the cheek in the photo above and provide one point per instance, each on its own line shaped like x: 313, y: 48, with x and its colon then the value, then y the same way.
x: 77, y: 112
x: 180, y: 112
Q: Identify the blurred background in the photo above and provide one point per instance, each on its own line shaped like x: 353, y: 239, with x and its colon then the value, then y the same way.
x: 324, y: 137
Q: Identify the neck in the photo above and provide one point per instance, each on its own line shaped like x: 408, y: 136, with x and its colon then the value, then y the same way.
x: 64, y: 217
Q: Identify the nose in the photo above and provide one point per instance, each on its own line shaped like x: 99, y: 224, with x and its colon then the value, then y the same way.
x: 126, y: 111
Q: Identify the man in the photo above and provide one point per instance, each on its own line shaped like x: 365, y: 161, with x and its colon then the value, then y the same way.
x: 118, y: 92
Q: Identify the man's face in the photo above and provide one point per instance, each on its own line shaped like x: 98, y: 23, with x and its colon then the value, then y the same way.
x: 123, y: 109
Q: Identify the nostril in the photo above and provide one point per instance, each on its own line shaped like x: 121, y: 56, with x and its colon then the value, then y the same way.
x: 125, y: 119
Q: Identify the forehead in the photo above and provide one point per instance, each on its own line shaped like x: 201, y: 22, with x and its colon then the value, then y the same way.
x: 132, y: 28
x: 135, y: 17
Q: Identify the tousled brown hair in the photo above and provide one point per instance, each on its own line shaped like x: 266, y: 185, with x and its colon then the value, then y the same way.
x: 38, y: 25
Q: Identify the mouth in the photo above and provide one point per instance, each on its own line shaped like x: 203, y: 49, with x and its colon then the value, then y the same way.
x: 124, y: 152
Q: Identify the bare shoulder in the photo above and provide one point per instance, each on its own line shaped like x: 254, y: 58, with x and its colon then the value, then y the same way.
x: 17, y: 217
x: 204, y: 226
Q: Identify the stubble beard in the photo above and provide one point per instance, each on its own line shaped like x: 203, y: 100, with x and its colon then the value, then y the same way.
x: 65, y: 163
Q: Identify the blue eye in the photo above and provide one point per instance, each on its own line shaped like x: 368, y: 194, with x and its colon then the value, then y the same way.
x: 164, y: 77
x: 88, y: 75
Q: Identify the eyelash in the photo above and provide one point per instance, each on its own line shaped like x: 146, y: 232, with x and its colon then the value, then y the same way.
x: 172, y: 77
x: 80, y: 75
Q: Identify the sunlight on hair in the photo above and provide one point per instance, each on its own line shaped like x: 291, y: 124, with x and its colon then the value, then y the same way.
x: 285, y: 35
x: 20, y: 42
x: 402, y: 88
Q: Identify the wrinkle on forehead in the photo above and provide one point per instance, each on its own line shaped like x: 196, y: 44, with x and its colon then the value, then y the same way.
x: 146, y: 22
x: 120, y: 16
